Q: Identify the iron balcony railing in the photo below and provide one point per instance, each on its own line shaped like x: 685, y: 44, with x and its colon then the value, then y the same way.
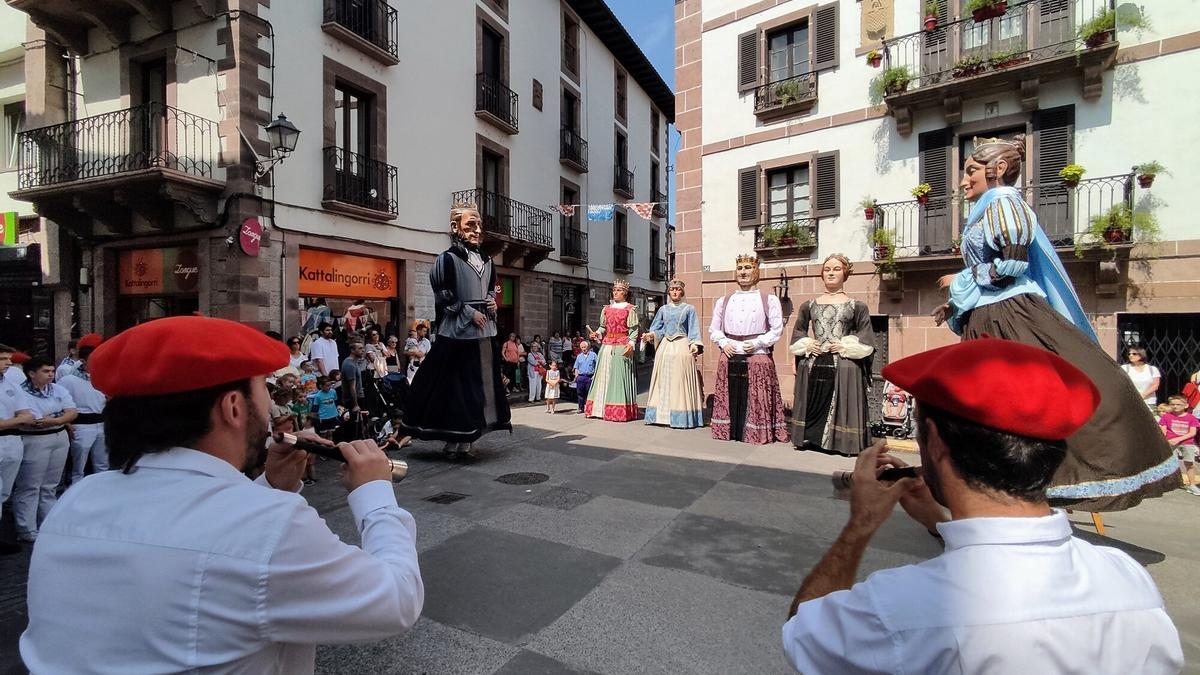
x: 1065, y: 213
x: 622, y: 259
x: 660, y: 204
x: 623, y: 181
x: 658, y: 269
x: 795, y: 90
x: 495, y: 98
x: 1030, y: 31
x: 574, y: 244
x: 572, y: 148
x: 359, y: 180
x: 510, y: 218
x: 373, y: 20
x: 781, y: 237
x: 149, y: 136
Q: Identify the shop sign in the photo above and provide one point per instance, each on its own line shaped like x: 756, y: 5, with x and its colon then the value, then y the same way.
x: 250, y: 237
x: 158, y: 271
x: 342, y: 275
x: 505, y: 288
x: 9, y: 223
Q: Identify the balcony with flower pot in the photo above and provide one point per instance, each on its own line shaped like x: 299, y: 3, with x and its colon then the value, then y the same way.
x: 794, y: 239
x: 785, y: 97
x: 996, y: 46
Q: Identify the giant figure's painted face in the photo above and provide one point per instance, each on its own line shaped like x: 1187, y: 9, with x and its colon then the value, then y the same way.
x: 468, y: 226
x: 746, y: 274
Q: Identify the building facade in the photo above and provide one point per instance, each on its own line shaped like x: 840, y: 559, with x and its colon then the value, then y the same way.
x: 783, y: 140
x: 159, y: 163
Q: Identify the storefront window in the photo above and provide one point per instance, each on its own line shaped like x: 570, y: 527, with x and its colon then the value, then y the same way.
x: 357, y: 290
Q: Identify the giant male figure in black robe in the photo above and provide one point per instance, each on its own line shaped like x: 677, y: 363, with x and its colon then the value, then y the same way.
x: 457, y: 395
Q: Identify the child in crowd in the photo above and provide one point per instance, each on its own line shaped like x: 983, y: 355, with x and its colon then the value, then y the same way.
x: 288, y: 381
x: 310, y: 469
x: 324, y: 403
x: 335, y: 376
x: 1162, y: 409
x: 281, y: 401
x: 308, y: 378
x: 301, y: 405
x: 389, y: 435
x: 553, y: 378
x: 1180, y: 427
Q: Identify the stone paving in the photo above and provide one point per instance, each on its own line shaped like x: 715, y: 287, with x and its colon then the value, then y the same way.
x: 647, y: 550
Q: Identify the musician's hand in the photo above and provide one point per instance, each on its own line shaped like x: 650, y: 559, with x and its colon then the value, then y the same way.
x: 285, y: 464
x: 365, y: 462
x: 480, y: 319
x: 491, y: 304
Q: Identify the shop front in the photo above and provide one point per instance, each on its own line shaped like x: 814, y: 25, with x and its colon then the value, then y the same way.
x: 26, y: 306
x: 350, y: 288
x: 156, y: 282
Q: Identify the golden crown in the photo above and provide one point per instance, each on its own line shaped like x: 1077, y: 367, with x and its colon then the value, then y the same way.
x: 621, y: 284
x: 463, y: 204
x: 747, y: 258
x: 980, y: 142
x: 676, y: 283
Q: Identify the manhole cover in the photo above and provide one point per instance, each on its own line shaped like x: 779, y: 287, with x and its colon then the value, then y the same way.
x: 446, y: 497
x: 523, y: 478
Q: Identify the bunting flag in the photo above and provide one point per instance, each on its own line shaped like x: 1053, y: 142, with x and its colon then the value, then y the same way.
x: 643, y: 209
x: 600, y: 212
x: 567, y: 210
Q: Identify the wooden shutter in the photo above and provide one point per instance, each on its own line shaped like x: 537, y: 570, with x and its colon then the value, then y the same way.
x: 748, y: 197
x: 825, y: 185
x: 825, y: 37
x: 1053, y: 135
x: 747, y: 61
x: 934, y: 227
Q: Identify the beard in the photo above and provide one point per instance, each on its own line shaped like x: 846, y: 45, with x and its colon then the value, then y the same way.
x: 257, y: 433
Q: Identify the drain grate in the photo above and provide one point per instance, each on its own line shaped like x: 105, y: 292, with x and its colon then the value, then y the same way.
x: 523, y: 478
x: 446, y: 497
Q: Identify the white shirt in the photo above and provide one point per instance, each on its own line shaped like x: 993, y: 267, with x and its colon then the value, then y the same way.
x: 87, y: 398
x: 50, y: 401
x: 744, y: 316
x: 65, y: 367
x: 15, y: 375
x: 1142, y: 379
x: 326, y: 350
x: 13, y: 399
x: 190, y: 566
x: 1009, y: 595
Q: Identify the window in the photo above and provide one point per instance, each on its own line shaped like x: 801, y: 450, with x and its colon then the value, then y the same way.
x: 492, y: 54
x: 492, y: 186
x: 654, y: 130
x: 1005, y: 33
x: 621, y: 152
x: 787, y: 52
x: 493, y: 172
x: 570, y: 47
x: 620, y: 228
x: 654, y: 180
x: 570, y: 196
x: 14, y: 120
x: 570, y: 110
x: 622, y: 93
x: 352, y: 120
x: 789, y: 197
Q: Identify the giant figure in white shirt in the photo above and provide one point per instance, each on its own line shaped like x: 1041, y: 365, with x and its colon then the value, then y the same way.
x: 189, y: 565
x: 1014, y: 591
x: 746, y: 324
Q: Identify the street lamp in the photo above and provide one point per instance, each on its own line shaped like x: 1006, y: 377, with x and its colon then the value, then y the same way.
x: 283, y: 135
x: 781, y: 290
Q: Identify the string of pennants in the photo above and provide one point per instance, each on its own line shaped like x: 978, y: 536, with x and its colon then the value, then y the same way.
x: 599, y: 212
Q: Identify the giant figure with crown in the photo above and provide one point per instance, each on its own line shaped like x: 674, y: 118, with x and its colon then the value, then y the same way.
x: 745, y: 326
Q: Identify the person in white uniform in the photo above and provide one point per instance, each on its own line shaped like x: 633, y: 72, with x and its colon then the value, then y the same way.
x: 15, y: 412
x: 189, y: 565
x: 46, y: 446
x: 1014, y: 591
x: 87, y: 432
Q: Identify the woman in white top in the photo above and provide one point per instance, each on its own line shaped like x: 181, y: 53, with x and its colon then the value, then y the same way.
x: 536, y: 371
x: 295, y: 357
x: 1145, y: 377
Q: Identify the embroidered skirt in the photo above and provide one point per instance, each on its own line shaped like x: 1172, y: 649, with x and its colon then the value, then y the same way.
x: 1118, y: 458
x: 829, y: 409
x: 747, y: 405
x: 675, y: 398
x: 613, y: 393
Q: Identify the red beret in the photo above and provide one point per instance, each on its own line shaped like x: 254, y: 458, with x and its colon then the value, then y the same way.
x: 183, y: 353
x: 1001, y: 384
x: 92, y: 340
x: 19, y: 358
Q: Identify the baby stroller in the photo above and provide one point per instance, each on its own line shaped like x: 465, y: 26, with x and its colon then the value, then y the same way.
x: 897, y: 419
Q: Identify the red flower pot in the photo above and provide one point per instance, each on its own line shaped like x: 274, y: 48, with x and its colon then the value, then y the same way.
x: 1145, y: 181
x: 982, y: 14
x: 1000, y: 8
x: 787, y: 242
x: 923, y: 199
x: 881, y: 252
x: 875, y: 61
x: 869, y: 213
x: 1099, y: 39
x: 1115, y: 235
x: 931, y: 23
x: 1070, y: 183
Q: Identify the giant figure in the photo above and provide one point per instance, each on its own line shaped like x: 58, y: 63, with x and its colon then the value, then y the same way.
x: 675, y: 399
x: 1014, y: 287
x: 457, y: 395
x: 745, y: 326
x: 613, y: 392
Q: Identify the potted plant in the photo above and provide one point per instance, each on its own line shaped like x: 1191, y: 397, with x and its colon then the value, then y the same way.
x: 889, y: 82
x: 770, y: 237
x: 883, y: 243
x: 787, y: 92
x: 1071, y: 173
x: 956, y: 246
x: 874, y: 58
x: 968, y: 66
x: 982, y: 10
x: 868, y: 205
x: 931, y: 15
x: 1006, y: 59
x: 921, y: 192
x: 789, y: 235
x: 1099, y: 29
x: 1118, y: 225
x: 1146, y: 173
